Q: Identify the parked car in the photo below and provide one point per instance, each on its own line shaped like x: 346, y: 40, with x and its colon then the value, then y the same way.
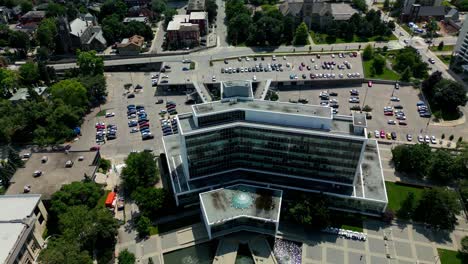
x: 409, y: 137
x: 395, y: 99
x: 394, y: 135
x: 391, y: 122
x: 131, y: 96
x: 433, y: 140
x: 369, y: 84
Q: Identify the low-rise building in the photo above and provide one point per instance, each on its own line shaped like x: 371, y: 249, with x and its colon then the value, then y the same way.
x: 201, y: 19
x: 317, y: 13
x: 32, y: 17
x: 23, y: 94
x: 23, y: 219
x: 417, y: 10
x: 46, y: 172
x: 461, y: 49
x: 131, y: 46
x: 182, y: 33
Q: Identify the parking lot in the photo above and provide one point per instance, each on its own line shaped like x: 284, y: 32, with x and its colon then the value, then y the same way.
x: 278, y: 68
x: 117, y: 103
x: 377, y: 97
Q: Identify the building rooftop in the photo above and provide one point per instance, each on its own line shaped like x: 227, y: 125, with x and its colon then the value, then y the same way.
x: 342, y: 11
x: 241, y: 200
x: 16, y: 209
x: 22, y: 93
x: 133, y: 40
x: 179, y: 22
x: 78, y: 27
x: 34, y: 14
x: 136, y: 19
x: 262, y: 105
x: 54, y: 172
x: 236, y: 89
x: 198, y: 15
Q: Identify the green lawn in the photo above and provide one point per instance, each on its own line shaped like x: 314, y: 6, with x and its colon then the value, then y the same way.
x: 320, y: 38
x: 101, y: 113
x: 347, y: 221
x: 445, y: 58
x: 450, y: 256
x: 101, y: 202
x: 397, y: 194
x: 386, y: 75
x: 445, y: 48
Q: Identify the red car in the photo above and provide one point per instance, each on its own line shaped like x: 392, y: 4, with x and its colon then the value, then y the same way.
x: 369, y: 84
x: 312, y: 76
x: 144, y: 124
x: 382, y: 134
x: 95, y: 148
x: 388, y: 113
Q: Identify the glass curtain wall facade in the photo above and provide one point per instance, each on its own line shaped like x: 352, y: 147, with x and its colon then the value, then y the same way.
x: 304, y: 155
x: 243, y: 223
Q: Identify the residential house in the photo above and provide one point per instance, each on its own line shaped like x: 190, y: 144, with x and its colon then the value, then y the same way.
x: 317, y: 13
x: 182, y: 33
x: 82, y: 33
x: 131, y: 46
x: 32, y: 17
x: 23, y: 220
x: 6, y: 15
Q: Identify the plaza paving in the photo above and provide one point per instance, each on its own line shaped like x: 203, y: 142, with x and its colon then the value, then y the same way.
x: 393, y: 244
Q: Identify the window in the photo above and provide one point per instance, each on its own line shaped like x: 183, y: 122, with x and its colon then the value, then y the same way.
x: 41, y: 219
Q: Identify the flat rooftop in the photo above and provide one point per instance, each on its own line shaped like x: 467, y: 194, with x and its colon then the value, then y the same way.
x: 240, y: 200
x: 54, y: 172
x: 14, y: 208
x: 262, y: 105
x: 372, y: 174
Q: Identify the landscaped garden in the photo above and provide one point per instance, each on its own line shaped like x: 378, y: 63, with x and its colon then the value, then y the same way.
x: 397, y: 193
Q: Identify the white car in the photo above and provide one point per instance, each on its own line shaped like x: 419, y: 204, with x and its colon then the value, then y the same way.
x: 284, y: 57
x: 433, y: 140
x: 394, y: 99
x: 134, y: 130
x: 391, y: 122
x: 213, y: 78
x: 247, y: 58
x: 376, y: 133
x: 427, y: 139
x: 420, y: 139
x: 154, y: 76
x: 409, y: 137
x: 254, y: 78
x: 110, y: 114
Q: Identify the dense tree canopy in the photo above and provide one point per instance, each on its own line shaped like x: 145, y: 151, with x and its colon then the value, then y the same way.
x: 140, y: 171
x: 20, y: 41
x: 75, y: 193
x: 368, y: 53
x: 409, y: 58
x: 301, y: 35
x: 113, y: 7
x: 126, y: 257
x: 310, y: 211
x: 115, y: 30
x: 150, y: 200
x: 29, y: 73
x: 438, y: 207
x: 360, y: 5
x: 71, y: 92
x: 59, y: 251
x: 89, y: 63
x: 448, y: 95
x: 412, y: 158
x: 46, y: 33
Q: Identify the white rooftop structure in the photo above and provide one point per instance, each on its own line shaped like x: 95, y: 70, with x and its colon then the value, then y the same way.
x: 198, y: 15
x: 15, y: 214
x: 78, y: 26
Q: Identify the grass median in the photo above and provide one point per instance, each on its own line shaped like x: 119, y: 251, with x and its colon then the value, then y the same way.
x: 386, y: 75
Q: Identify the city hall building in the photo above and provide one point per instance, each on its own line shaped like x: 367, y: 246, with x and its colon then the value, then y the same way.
x: 239, y: 157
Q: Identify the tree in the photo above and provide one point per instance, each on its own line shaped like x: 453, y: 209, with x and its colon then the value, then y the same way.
x: 429, y: 83
x: 143, y: 226
x: 95, y: 87
x: 55, y: 10
x: 431, y: 28
x: 20, y: 41
x: 14, y: 159
x: 238, y: 26
x: 367, y: 53
x: 310, y: 211
x: 71, y: 92
x: 46, y: 33
x: 212, y: 9
x: 438, y: 207
x: 113, y: 7
x: 302, y: 34
x: 26, y: 6
x: 89, y: 63
x: 464, y: 245
x: 158, y: 6
x: 288, y: 26
x: 440, y: 169
x: 378, y: 64
x: 360, y: 5
x: 386, y: 5
x: 440, y: 46
x: 140, y: 171
x: 8, y: 81
x: 29, y: 73
x: 150, y: 200
x: 391, y: 25
x: 126, y: 257
x: 448, y: 95
x: 112, y: 28
x: 75, y: 193
x: 59, y: 251
x: 406, y: 75
x: 412, y: 158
